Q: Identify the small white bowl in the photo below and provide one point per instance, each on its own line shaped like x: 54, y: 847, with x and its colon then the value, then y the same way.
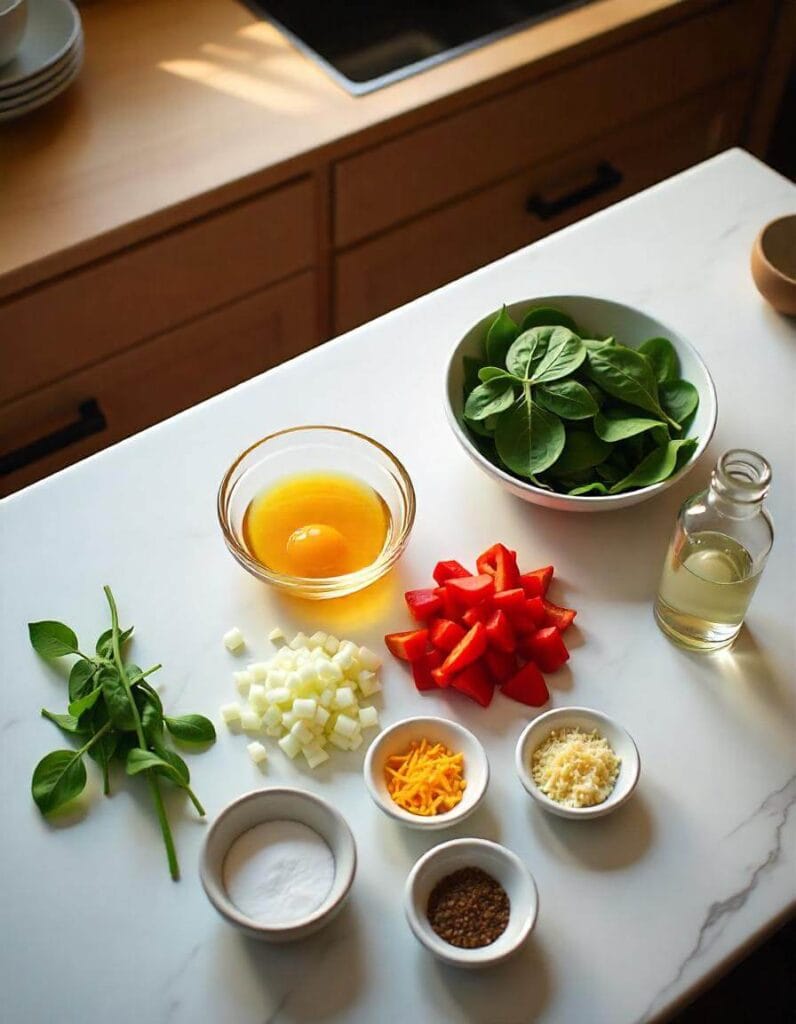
x: 282, y: 804
x: 504, y: 866
x: 602, y: 317
x: 582, y: 718
x: 396, y: 739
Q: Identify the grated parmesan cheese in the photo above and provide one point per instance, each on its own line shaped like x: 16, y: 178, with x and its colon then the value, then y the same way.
x: 574, y: 768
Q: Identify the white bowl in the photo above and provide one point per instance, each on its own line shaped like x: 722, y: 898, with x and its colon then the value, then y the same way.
x: 282, y: 804
x: 619, y: 739
x: 396, y: 739
x: 504, y: 866
x: 603, y: 317
x: 13, y: 19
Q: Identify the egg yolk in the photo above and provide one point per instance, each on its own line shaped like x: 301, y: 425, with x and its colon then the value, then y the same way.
x: 317, y: 550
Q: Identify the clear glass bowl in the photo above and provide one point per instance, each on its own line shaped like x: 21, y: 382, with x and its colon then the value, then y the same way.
x: 317, y: 449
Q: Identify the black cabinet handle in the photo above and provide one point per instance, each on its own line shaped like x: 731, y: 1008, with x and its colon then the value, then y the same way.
x: 605, y: 178
x: 90, y: 420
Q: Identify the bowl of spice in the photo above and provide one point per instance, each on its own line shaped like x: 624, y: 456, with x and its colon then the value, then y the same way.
x: 427, y: 773
x: 471, y: 902
x: 577, y: 763
x: 278, y: 863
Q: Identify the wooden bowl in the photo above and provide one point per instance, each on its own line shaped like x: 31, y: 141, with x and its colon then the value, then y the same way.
x: 774, y: 264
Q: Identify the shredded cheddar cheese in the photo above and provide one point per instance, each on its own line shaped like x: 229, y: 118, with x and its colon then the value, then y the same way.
x: 427, y: 779
x: 574, y: 768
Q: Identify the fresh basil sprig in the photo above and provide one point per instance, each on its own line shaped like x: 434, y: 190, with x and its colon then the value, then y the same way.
x: 114, y: 713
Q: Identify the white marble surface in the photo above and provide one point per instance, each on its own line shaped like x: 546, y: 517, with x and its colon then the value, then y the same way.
x: 636, y: 909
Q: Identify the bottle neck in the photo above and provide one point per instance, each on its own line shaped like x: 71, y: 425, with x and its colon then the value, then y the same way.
x: 739, y: 484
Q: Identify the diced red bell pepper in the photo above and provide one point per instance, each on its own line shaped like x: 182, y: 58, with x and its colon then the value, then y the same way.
x: 527, y: 686
x: 445, y: 634
x: 557, y: 616
x: 408, y: 646
x: 500, y: 664
x: 475, y: 683
x: 451, y: 609
x: 499, y: 633
x: 535, y: 610
x: 501, y: 563
x: 478, y: 613
x: 469, y: 649
x: 471, y: 590
x: 441, y: 677
x: 535, y: 583
x: 423, y: 604
x: 509, y: 599
x: 444, y: 571
x: 546, y: 647
x: 422, y: 668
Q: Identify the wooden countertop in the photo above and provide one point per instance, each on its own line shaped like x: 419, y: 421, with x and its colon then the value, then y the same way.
x: 185, y: 105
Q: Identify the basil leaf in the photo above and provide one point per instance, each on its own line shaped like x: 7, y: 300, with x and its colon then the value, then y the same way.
x: 546, y: 316
x: 564, y: 354
x: 117, y: 702
x: 489, y: 399
x: 679, y: 399
x: 663, y: 358
x: 77, y: 707
x: 191, y: 729
x: 68, y: 723
x: 582, y: 450
x: 626, y: 375
x: 595, y: 487
x: 566, y: 398
x: 502, y: 332
x: 618, y: 424
x: 58, y: 778
x: 655, y: 467
x: 139, y: 760
x: 81, y: 679
x: 52, y: 639
x: 104, y: 644
x: 528, y: 438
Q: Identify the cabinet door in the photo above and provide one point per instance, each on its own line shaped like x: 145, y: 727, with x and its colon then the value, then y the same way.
x: 428, y: 252
x: 89, y: 410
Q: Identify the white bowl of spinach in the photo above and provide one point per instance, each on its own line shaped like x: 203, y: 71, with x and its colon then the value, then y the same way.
x: 578, y: 403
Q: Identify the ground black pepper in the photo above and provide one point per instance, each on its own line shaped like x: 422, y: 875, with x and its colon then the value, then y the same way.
x: 468, y: 908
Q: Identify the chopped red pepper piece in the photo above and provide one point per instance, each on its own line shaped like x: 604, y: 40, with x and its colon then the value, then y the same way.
x: 478, y: 613
x: 471, y: 590
x: 451, y: 608
x: 501, y: 563
x: 441, y: 677
x: 423, y: 604
x: 535, y: 583
x: 500, y: 664
x: 408, y: 646
x: 499, y: 632
x: 444, y: 571
x: 475, y: 683
x: 557, y: 616
x: 469, y: 649
x: 527, y: 686
x: 510, y: 599
x: 535, y: 609
x: 422, y: 668
x: 546, y: 647
x: 445, y: 634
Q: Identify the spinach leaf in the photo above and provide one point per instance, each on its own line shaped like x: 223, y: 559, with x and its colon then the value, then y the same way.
x: 81, y: 679
x: 488, y: 373
x: 58, y: 778
x: 120, y: 710
x: 152, y: 721
x: 104, y: 645
x: 566, y: 398
x: 139, y: 760
x: 595, y: 487
x: 77, y: 707
x: 595, y: 344
x: 502, y: 332
x: 564, y: 354
x: 527, y: 351
x: 528, y: 438
x: 52, y: 639
x: 191, y: 729
x: 655, y: 467
x: 582, y: 450
x: 489, y: 399
x: 679, y: 398
x: 618, y: 424
x: 663, y: 358
x: 546, y: 316
x: 176, y: 762
x: 68, y: 723
x: 471, y: 366
x: 628, y: 376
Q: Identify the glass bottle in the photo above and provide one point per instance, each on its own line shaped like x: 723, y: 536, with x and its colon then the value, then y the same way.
x: 715, y: 559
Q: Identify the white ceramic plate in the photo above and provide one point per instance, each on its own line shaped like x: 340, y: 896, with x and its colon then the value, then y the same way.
x: 621, y: 743
x: 47, y: 87
x: 602, y: 317
x: 34, y: 104
x: 53, y: 29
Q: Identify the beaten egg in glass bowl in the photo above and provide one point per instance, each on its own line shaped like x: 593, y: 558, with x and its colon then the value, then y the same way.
x: 318, y: 511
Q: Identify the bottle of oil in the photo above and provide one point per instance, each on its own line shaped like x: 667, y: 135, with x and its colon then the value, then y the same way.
x: 717, y: 554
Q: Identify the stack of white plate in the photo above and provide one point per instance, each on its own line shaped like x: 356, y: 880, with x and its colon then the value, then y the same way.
x: 48, y: 60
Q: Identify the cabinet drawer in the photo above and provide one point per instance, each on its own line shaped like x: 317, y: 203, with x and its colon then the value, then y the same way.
x: 102, y: 309
x: 411, y: 260
x: 401, y: 178
x: 158, y: 378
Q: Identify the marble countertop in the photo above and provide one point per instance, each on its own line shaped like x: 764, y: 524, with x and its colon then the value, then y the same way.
x: 637, y: 909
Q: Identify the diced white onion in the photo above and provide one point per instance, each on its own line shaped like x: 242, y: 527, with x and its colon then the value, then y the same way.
x: 257, y: 752
x: 233, y: 639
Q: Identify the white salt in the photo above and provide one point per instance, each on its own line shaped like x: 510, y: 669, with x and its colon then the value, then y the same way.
x: 278, y: 872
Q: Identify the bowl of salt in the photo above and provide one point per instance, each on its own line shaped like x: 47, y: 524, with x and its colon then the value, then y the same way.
x: 278, y: 863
